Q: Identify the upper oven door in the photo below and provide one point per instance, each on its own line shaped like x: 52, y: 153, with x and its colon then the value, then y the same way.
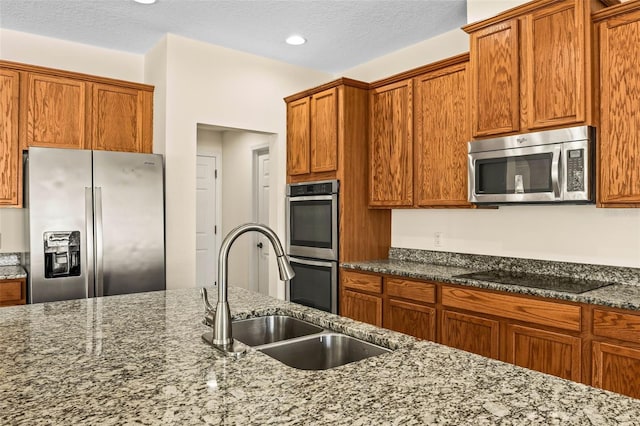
x: 528, y: 175
x: 312, y: 226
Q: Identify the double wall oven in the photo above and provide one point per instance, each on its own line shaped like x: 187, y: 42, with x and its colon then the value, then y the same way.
x: 312, y: 244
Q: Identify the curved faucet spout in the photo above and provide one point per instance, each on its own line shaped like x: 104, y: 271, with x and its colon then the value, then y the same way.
x: 222, y: 337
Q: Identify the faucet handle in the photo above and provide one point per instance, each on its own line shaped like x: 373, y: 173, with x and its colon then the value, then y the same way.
x: 208, y: 308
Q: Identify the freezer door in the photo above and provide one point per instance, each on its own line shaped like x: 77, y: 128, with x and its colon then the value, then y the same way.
x: 129, y: 222
x: 58, y: 194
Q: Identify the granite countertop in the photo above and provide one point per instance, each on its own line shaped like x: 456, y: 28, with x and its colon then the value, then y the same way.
x: 12, y: 272
x: 139, y: 359
x: 617, y: 295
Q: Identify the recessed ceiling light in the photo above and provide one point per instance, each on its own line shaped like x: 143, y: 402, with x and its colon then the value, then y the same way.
x: 145, y: 1
x: 296, y: 40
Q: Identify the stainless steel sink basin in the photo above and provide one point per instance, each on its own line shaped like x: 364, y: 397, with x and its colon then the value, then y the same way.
x: 268, y: 329
x: 323, y: 351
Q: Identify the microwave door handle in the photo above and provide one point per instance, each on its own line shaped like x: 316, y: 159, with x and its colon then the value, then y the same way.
x: 556, y: 172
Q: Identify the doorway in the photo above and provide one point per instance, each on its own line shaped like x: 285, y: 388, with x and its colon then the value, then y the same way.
x: 206, y: 220
x: 261, y: 197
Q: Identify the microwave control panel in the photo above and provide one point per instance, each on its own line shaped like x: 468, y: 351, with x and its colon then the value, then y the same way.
x: 575, y: 170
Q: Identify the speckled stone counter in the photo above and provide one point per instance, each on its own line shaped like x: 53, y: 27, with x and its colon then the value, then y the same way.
x: 623, y: 293
x: 10, y: 268
x: 139, y: 359
x: 12, y: 272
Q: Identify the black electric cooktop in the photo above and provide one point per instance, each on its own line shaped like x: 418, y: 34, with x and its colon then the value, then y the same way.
x: 545, y: 282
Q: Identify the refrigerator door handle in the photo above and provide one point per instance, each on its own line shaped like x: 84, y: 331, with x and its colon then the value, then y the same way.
x: 99, y: 241
x: 88, y: 220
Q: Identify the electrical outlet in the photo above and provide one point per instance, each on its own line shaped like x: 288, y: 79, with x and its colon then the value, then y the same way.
x: 437, y: 239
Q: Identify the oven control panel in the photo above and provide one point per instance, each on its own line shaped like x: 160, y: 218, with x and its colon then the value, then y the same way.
x: 312, y: 188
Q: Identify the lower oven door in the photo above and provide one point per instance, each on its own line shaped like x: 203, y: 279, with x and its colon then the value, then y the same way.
x: 315, y: 284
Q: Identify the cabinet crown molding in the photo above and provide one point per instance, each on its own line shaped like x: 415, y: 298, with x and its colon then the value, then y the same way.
x: 518, y: 11
x: 75, y: 75
x: 343, y: 81
x: 619, y: 9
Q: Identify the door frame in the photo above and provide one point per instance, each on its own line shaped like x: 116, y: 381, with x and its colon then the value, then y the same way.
x: 256, y: 151
x: 217, y: 236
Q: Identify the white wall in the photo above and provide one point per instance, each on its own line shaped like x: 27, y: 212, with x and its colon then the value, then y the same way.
x: 440, y: 47
x: 211, y: 85
x: 581, y: 234
x: 237, y: 199
x: 49, y: 52
x: 55, y: 53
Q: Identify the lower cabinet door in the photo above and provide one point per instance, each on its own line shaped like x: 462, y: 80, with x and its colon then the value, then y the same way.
x: 361, y: 307
x: 471, y: 333
x: 549, y: 352
x: 411, y: 318
x: 616, y: 368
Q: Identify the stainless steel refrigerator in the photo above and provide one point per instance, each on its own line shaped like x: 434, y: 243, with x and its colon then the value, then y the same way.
x: 95, y: 223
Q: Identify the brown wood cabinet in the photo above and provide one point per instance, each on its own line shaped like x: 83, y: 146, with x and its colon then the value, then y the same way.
x: 616, y: 368
x: 616, y: 351
x: 419, y: 129
x: 442, y: 130
x: 13, y: 292
x: 553, y: 353
x: 361, y: 297
x: 619, y: 131
x: 471, y: 333
x: 122, y: 119
x: 46, y: 107
x: 409, y: 307
x: 591, y: 344
x: 57, y: 110
x: 391, y: 145
x: 327, y: 139
x: 531, y: 68
x: 10, y: 189
x: 312, y: 136
x: 495, y: 74
x: 298, y: 137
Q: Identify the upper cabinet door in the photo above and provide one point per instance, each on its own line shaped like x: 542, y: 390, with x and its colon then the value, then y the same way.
x: 324, y: 131
x: 391, y: 145
x: 118, y: 119
x: 619, y: 144
x: 554, y: 52
x: 495, y: 67
x: 56, y: 112
x: 9, y: 146
x: 298, y: 140
x: 442, y: 132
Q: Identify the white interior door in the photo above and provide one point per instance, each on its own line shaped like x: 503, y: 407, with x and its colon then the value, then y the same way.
x: 206, y: 250
x: 262, y: 245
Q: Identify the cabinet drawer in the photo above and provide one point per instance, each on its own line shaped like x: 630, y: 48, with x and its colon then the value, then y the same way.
x: 414, y: 290
x: 541, y: 312
x: 616, y: 325
x: 362, y: 282
x: 12, y: 292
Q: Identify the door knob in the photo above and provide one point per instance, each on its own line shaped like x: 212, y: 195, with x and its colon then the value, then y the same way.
x: 259, y: 245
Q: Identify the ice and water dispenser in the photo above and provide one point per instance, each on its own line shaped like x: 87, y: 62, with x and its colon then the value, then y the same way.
x: 61, y: 254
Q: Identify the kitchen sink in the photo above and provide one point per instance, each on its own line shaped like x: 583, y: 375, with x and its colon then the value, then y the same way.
x: 322, y: 351
x: 273, y: 328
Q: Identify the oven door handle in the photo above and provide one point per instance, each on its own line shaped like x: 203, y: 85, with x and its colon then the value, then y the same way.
x: 327, y: 263
x: 312, y: 198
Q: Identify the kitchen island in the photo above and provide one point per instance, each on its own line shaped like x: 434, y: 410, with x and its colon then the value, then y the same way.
x: 139, y: 359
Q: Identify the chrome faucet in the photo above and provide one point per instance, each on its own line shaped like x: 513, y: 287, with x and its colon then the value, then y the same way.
x: 222, y: 338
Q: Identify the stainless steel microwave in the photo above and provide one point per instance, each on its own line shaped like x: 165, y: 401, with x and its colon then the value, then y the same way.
x: 553, y: 166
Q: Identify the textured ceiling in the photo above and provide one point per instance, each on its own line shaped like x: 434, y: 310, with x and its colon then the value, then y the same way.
x: 340, y: 33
